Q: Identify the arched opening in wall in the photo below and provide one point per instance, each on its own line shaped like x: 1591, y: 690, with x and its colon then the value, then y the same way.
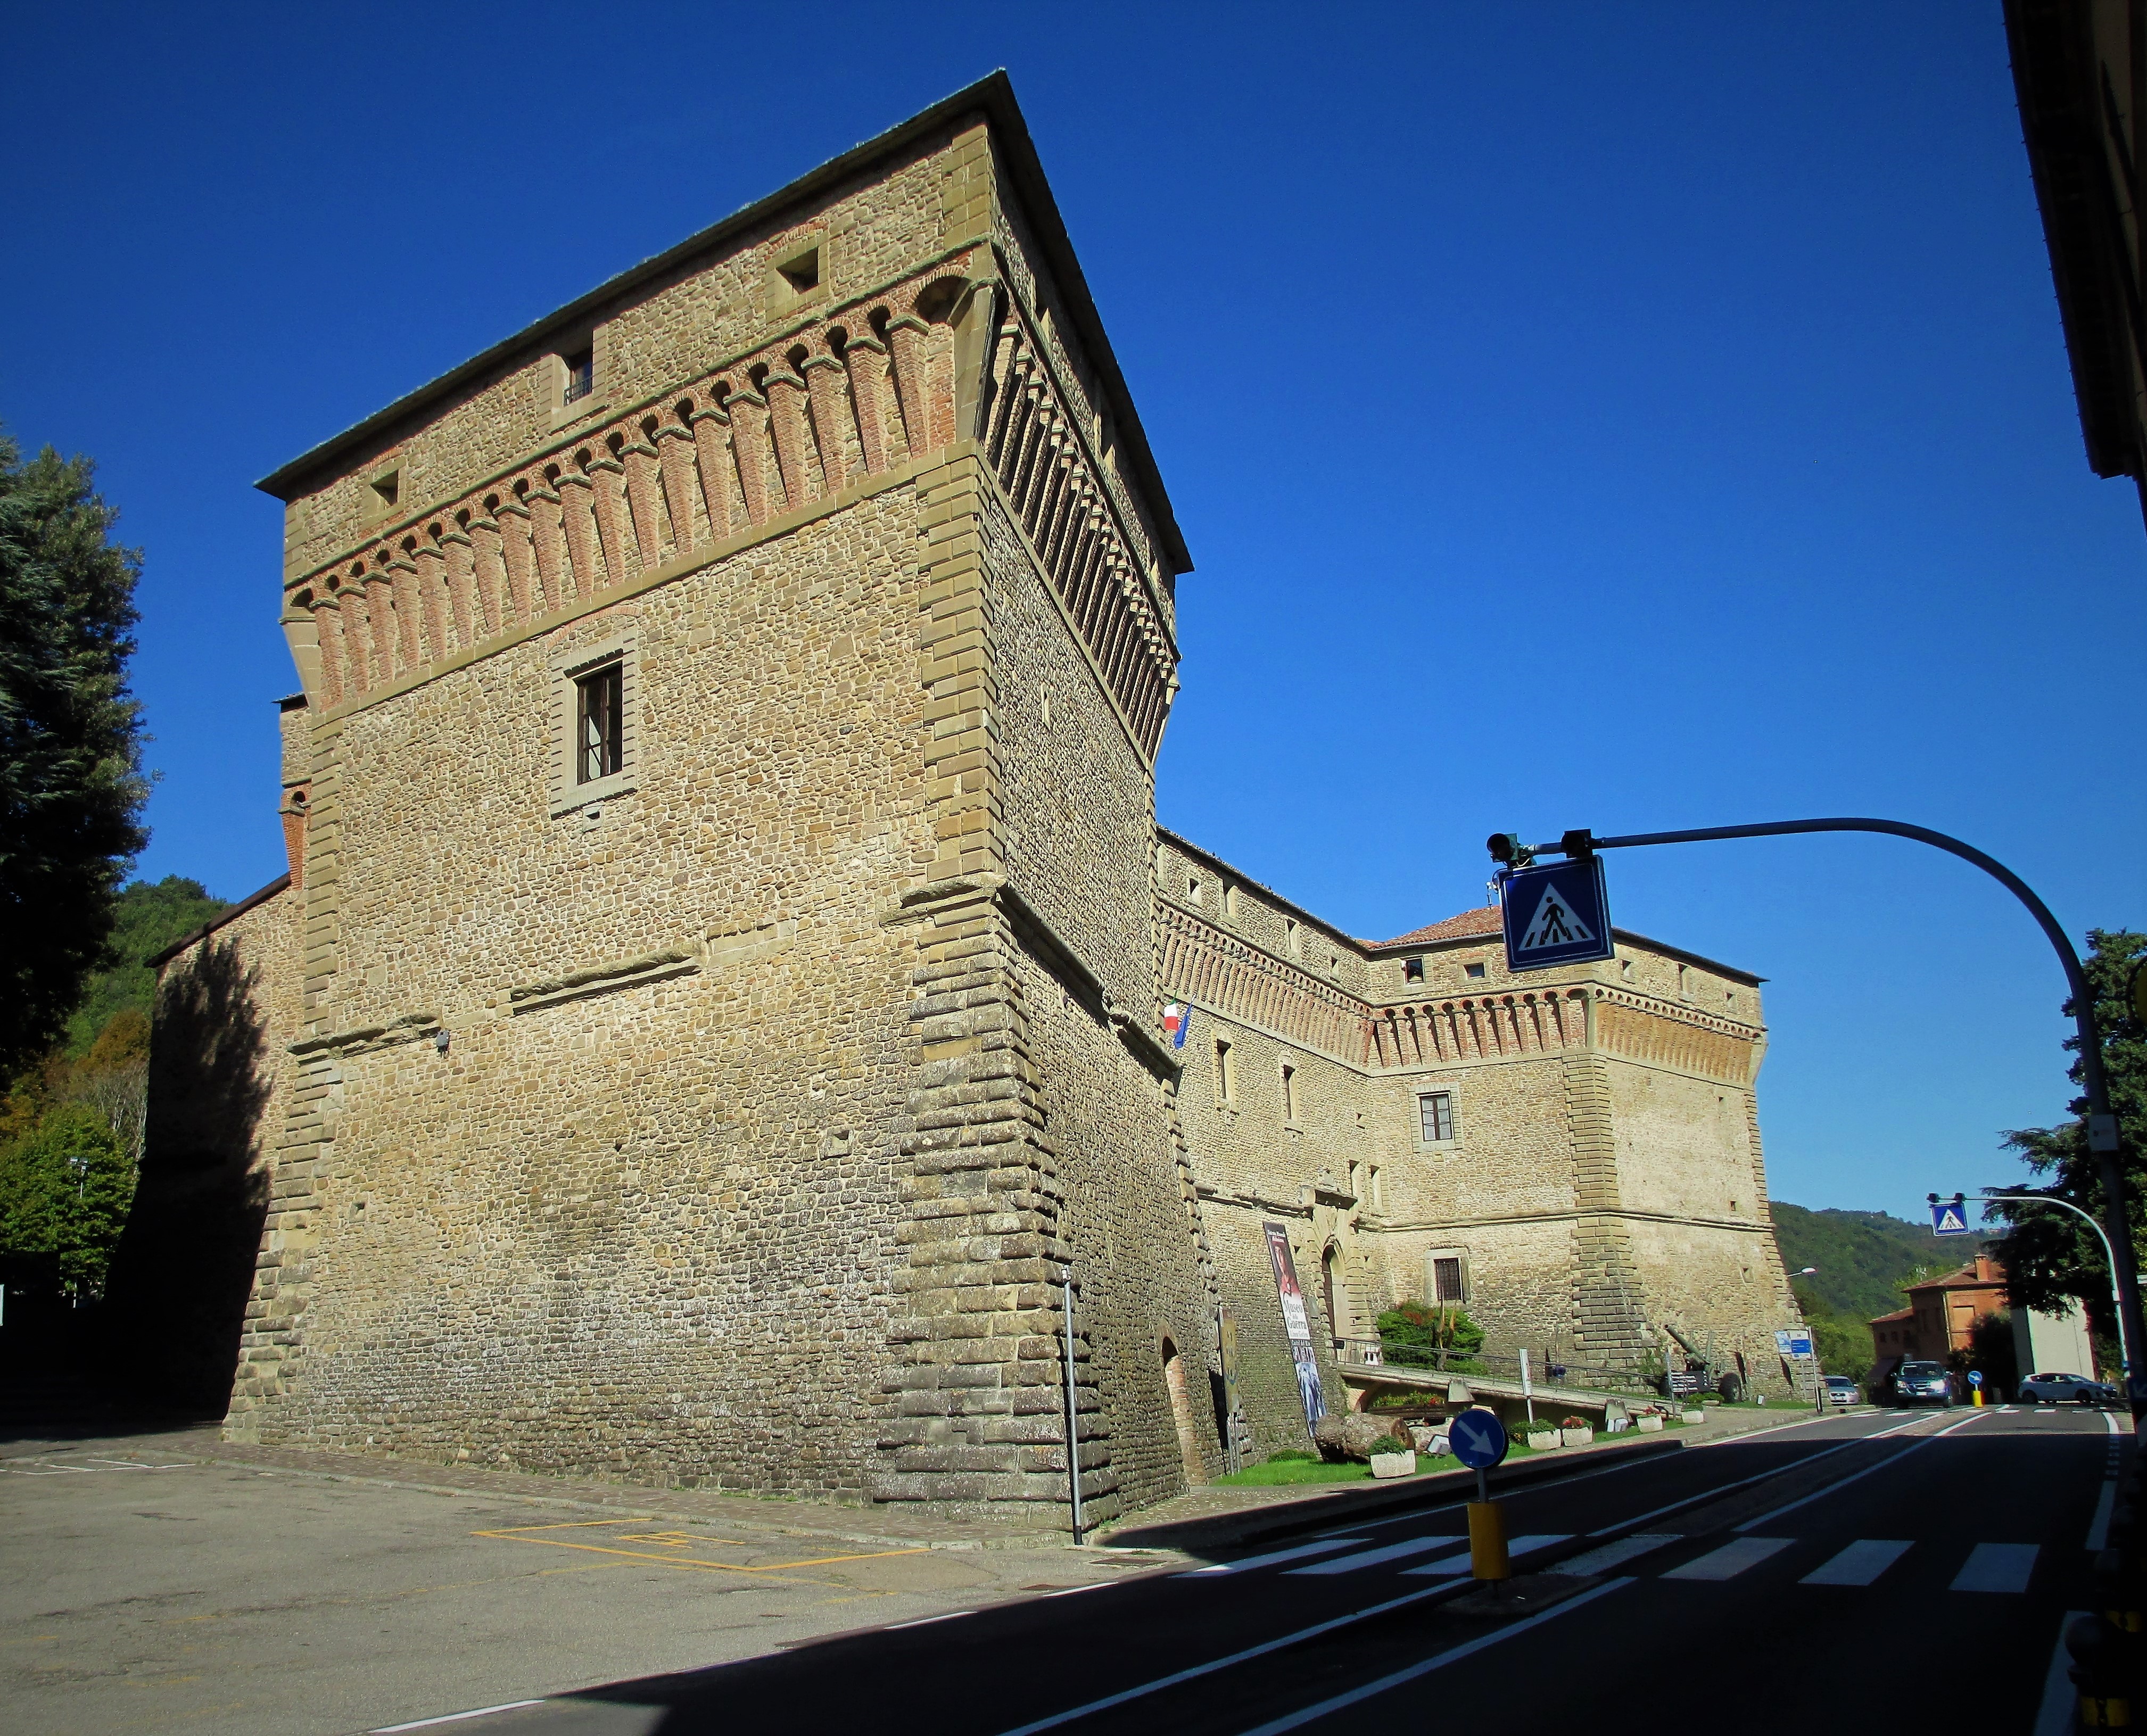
x: 1330, y: 1270
x: 1181, y: 1414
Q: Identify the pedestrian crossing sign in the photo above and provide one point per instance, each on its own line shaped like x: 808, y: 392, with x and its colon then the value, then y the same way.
x: 1949, y: 1217
x: 1558, y: 914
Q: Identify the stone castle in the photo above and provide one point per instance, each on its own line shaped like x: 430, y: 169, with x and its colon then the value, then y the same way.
x: 719, y: 998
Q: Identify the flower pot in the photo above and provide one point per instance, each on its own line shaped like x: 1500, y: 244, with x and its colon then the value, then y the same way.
x: 1648, y: 1425
x: 1542, y: 1440
x: 1576, y: 1437
x: 1693, y: 1416
x: 1393, y: 1464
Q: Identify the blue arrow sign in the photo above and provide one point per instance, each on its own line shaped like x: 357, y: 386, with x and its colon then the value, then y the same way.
x: 1949, y: 1217
x: 1478, y: 1438
x: 1556, y: 915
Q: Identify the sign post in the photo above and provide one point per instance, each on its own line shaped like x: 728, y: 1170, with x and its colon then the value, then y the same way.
x: 1478, y: 1438
x: 2127, y: 1349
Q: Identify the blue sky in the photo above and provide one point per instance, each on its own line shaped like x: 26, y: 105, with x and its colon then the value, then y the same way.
x: 1636, y: 417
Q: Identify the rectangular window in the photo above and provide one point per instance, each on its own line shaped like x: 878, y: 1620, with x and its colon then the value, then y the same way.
x: 599, y: 709
x: 581, y: 374
x: 1446, y: 1281
x: 1472, y: 970
x: 1412, y: 970
x: 1224, y: 1092
x: 1289, y: 1095
x: 1434, y: 1112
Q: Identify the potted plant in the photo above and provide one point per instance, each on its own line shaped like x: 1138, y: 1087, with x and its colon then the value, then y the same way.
x: 1393, y: 1461
x: 1541, y: 1436
x: 1648, y: 1421
x: 1574, y: 1431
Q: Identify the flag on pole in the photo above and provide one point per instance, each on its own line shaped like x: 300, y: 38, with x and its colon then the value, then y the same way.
x: 1175, y: 1019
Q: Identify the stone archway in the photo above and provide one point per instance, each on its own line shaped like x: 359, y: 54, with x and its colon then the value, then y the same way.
x: 1181, y: 1415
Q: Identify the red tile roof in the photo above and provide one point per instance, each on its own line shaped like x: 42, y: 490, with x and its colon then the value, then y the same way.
x: 1485, y: 919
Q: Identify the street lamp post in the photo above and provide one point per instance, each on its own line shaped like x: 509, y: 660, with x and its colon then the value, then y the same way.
x: 2125, y: 1345
x: 2102, y: 1137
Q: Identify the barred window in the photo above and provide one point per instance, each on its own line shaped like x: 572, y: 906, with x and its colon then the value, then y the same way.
x: 1446, y: 1280
x: 581, y: 374
x: 599, y: 707
x: 1434, y: 1111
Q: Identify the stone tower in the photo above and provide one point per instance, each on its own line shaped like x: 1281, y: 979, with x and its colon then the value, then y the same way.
x: 724, y: 995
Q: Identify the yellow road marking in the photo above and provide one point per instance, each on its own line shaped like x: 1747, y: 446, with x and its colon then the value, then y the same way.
x: 531, y: 1535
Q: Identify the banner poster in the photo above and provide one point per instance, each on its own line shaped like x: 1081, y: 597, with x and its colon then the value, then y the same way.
x: 1296, y: 1323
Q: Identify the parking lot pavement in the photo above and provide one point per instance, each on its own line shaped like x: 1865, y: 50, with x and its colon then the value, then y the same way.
x: 146, y: 1587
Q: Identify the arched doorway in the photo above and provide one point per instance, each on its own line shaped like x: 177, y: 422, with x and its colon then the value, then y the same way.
x: 1181, y: 1415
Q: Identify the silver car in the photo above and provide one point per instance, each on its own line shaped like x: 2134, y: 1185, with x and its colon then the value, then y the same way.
x: 1840, y: 1389
x: 2065, y: 1390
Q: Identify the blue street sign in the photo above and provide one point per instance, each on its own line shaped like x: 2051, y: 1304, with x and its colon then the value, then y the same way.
x: 1975, y: 1377
x: 1949, y: 1217
x: 1556, y: 915
x: 1478, y: 1438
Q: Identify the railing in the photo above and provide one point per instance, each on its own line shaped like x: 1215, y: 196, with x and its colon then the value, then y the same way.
x: 1372, y: 1353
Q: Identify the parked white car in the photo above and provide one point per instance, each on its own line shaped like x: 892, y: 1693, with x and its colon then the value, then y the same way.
x: 2065, y: 1390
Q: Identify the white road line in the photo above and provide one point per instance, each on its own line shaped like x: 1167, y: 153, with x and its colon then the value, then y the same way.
x: 2098, y: 1530
x: 1209, y: 1667
x: 1616, y: 1555
x: 1453, y: 1655
x: 1459, y: 1563
x: 1731, y: 1559
x: 1996, y: 1566
x: 1416, y: 1515
x: 1375, y: 1558
x: 1724, y: 1488
x: 1250, y: 1562
x: 454, y: 1718
x: 925, y: 1621
x: 1859, y: 1564
x: 1856, y: 1476
x: 2056, y: 1716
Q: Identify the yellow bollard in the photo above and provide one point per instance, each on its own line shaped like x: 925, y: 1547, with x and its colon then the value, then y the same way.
x: 1979, y: 1399
x: 1487, y: 1541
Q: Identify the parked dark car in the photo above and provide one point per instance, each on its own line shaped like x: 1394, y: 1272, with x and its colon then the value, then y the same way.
x: 1919, y: 1384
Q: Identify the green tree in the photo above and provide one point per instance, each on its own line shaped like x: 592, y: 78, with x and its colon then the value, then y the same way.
x: 2051, y: 1258
x: 64, y: 1190
x: 1431, y: 1335
x: 71, y: 782
x: 147, y: 916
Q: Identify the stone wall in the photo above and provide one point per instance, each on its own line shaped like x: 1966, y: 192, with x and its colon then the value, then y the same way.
x: 226, y: 1013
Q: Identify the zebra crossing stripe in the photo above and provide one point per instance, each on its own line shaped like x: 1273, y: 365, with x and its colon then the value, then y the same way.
x: 1374, y: 1558
x: 1997, y: 1567
x: 1859, y: 1564
x: 1324, y: 1548
x: 1731, y: 1559
x: 1459, y: 1564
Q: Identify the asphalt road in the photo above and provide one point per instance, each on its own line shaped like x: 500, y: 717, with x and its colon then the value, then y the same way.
x: 1903, y: 1572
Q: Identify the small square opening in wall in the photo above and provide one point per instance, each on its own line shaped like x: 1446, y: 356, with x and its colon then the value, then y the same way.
x: 1475, y: 971
x: 801, y: 271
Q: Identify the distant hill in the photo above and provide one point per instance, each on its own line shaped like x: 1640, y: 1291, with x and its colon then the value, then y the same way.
x: 1861, y: 1257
